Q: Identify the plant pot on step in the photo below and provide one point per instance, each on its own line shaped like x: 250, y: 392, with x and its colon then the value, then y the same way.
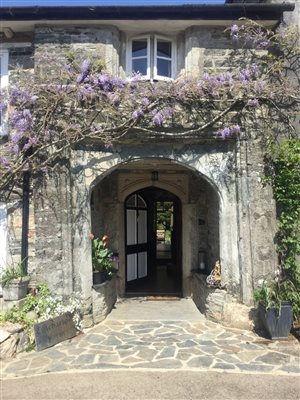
x: 277, y: 324
x: 16, y: 289
x: 99, y: 277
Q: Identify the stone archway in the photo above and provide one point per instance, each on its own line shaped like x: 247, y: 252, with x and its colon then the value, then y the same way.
x: 200, y: 210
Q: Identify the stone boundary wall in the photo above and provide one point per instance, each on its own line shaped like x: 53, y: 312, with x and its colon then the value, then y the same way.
x: 219, y: 306
x: 13, y: 339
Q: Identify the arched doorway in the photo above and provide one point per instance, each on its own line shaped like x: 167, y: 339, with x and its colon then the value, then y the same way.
x: 198, y: 211
x: 153, y: 243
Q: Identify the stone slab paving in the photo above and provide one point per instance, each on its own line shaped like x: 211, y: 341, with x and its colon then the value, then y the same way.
x: 196, y: 345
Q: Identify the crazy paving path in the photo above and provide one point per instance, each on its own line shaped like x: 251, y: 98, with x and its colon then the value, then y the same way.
x: 198, y: 345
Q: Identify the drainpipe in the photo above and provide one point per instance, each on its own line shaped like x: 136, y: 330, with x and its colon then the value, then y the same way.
x: 25, y: 221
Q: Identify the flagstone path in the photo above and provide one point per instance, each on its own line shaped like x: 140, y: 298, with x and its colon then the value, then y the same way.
x: 197, y: 345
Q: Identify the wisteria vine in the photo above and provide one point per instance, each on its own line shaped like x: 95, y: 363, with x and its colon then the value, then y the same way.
x: 47, y: 117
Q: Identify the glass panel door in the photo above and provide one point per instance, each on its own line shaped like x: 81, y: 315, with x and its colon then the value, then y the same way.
x: 136, y: 238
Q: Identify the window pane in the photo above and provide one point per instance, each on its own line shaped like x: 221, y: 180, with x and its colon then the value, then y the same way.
x: 140, y: 66
x: 164, y: 67
x: 142, y: 264
x: 142, y: 226
x: 131, y: 227
x: 141, y: 202
x: 139, y: 48
x: 131, y: 267
x: 131, y: 202
x: 164, y: 48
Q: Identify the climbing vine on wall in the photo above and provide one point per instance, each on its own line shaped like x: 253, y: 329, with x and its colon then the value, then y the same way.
x: 284, y: 177
x: 52, y: 110
x: 49, y: 112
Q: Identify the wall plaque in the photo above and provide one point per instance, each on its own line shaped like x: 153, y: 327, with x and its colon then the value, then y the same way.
x: 53, y: 331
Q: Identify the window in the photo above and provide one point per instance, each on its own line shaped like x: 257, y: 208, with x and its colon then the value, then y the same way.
x: 152, y: 56
x: 3, y: 83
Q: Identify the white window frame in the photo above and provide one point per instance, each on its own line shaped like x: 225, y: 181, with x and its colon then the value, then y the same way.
x: 152, y: 56
x: 3, y: 84
x: 130, y: 58
x: 155, y: 57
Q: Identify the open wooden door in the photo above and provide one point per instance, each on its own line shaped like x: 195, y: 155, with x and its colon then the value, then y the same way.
x: 136, y: 250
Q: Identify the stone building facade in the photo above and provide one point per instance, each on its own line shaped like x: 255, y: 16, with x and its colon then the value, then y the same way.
x: 223, y: 211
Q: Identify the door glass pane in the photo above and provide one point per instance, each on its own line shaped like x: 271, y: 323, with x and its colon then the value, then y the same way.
x: 164, y: 67
x: 140, y: 66
x: 164, y: 48
x: 139, y: 48
x: 131, y: 202
x: 142, y: 226
x: 142, y: 263
x: 131, y: 227
x: 141, y: 202
x: 131, y: 267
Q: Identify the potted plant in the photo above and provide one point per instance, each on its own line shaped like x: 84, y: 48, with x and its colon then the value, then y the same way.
x: 102, y: 259
x: 275, y: 314
x: 14, y: 281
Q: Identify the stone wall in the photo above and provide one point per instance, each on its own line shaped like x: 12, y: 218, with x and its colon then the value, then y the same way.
x: 227, y: 212
x: 20, y: 56
x: 13, y: 339
x: 52, y: 44
x: 220, y: 306
x: 103, y: 213
x: 52, y: 206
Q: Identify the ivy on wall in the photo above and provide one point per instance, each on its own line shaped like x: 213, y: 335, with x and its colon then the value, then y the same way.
x: 284, y: 177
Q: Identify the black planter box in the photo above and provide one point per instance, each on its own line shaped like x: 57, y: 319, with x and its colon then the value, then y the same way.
x: 99, y: 277
x: 277, y: 325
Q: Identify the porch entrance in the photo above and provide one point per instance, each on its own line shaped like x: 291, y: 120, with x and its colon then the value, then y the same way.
x: 153, y: 243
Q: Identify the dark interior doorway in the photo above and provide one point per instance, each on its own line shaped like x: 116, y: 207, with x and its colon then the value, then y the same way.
x: 153, y: 243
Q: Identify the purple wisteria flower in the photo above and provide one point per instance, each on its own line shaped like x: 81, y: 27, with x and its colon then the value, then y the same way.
x: 15, y: 149
x: 158, y: 119
x: 137, y: 114
x: 15, y: 138
x: 224, y: 133
x: 229, y: 131
x: 145, y: 101
x: 85, y: 70
x: 4, y: 161
x: 21, y: 96
x: 235, y: 129
x: 168, y: 112
x: 253, y: 103
x: 107, y: 83
x: 234, y: 29
x: 31, y: 142
x: 114, y: 98
x: 21, y: 121
x: 234, y: 32
x: 3, y: 102
x: 259, y: 87
x: 85, y: 92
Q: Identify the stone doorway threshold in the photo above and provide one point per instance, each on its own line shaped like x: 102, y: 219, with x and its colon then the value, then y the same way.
x: 143, y: 309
